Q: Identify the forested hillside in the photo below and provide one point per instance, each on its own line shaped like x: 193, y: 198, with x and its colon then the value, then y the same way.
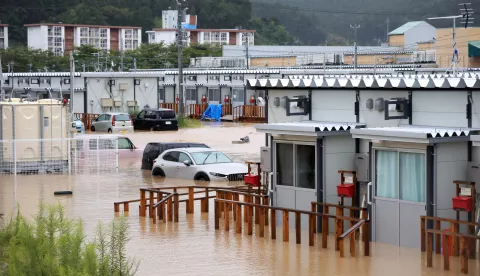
x: 312, y: 22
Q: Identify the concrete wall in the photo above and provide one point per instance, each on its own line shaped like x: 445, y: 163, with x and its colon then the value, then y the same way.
x: 37, y: 37
x: 279, y: 114
x: 167, y: 37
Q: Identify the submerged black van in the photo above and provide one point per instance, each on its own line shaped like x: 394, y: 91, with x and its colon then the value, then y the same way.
x: 153, y: 150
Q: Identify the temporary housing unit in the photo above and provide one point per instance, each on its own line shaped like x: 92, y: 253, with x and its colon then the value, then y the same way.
x: 406, y: 137
x: 33, y: 135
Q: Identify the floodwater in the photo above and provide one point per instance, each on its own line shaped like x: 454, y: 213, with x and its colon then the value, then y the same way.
x: 192, y: 246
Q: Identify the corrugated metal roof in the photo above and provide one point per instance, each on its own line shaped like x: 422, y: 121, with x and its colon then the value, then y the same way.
x: 412, y: 132
x: 405, y: 27
x: 379, y: 53
x: 474, y: 48
x: 369, y: 81
x: 40, y: 74
x: 309, y: 128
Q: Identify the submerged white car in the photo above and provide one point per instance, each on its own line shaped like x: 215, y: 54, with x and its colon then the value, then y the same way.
x: 198, y: 164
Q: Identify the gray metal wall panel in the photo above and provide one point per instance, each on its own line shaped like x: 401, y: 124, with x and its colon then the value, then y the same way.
x: 439, y: 108
x: 374, y: 118
x: 333, y: 105
x: 279, y: 114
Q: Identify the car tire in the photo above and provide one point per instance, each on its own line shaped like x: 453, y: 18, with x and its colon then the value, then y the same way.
x: 109, y: 130
x: 92, y: 128
x: 158, y: 172
x: 201, y: 177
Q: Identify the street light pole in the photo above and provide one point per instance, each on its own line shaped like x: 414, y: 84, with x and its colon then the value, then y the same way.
x: 355, y: 27
x: 180, y: 39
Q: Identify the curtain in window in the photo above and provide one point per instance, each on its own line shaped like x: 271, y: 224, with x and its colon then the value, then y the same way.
x: 284, y: 163
x: 412, y: 176
x: 386, y: 177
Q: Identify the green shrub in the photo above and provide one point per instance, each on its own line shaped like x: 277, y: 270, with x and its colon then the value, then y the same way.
x: 186, y: 122
x: 53, y: 244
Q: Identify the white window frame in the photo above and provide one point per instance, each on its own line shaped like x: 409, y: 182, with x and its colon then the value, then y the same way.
x: 2, y: 32
x: 374, y: 174
x: 84, y: 32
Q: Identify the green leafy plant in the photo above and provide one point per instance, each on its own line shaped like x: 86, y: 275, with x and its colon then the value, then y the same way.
x: 185, y: 122
x: 53, y: 244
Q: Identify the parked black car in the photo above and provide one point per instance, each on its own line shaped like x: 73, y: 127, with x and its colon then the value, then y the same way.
x: 156, y: 119
x: 153, y: 150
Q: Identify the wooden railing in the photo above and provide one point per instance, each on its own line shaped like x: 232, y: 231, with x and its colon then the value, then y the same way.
x: 226, y: 109
x: 263, y: 211
x: 350, y: 233
x: 463, y: 244
x: 196, y: 110
x: 173, y: 106
x: 86, y: 118
x: 251, y: 113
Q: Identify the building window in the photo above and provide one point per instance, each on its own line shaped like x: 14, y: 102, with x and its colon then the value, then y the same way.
x: 284, y: 164
x: 400, y: 175
x: 128, y: 34
x: 250, y: 36
x: 83, y: 41
x: 83, y: 32
x: 55, y: 40
x: 58, y: 42
x: 217, y: 78
x: 2, y: 32
x: 57, y: 31
x: 206, y: 37
x: 103, y: 32
x: 103, y: 44
x: 190, y: 94
x: 238, y: 95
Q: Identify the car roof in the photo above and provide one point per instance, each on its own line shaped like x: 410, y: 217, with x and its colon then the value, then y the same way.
x: 175, y: 143
x: 193, y: 149
x: 86, y: 136
x: 115, y: 113
x: 158, y: 109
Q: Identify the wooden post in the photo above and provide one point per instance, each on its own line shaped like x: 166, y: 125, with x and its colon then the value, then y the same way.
x: 463, y: 256
x: 143, y: 203
x: 273, y: 224
x: 352, y: 243
x: 150, y: 204
x: 341, y: 248
x: 338, y: 227
x: 249, y: 220
x: 454, y: 228
x: 154, y: 217
x: 285, y: 226
x: 227, y: 219
x: 438, y: 239
x: 159, y: 208
x: 175, y: 206
x: 236, y: 198
x: 446, y: 254
x: 324, y: 231
x: 327, y: 212
x: 190, y: 200
x: 261, y: 216
x: 207, y: 196
x: 164, y: 213
x: 126, y: 207
x: 238, y: 221
x: 245, y: 209
x: 366, y: 241
x: 298, y: 228
x: 365, y: 218
x: 429, y: 249
x: 311, y: 230
x: 217, y: 215
x: 314, y: 210
x: 170, y: 209
x: 422, y: 234
x: 257, y: 218
x: 265, y: 202
x: 116, y: 207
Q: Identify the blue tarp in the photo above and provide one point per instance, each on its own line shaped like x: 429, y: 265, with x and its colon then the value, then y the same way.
x: 213, y: 111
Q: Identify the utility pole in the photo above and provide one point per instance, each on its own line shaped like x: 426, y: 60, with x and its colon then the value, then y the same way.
x: 72, y: 86
x: 2, y: 93
x: 355, y: 27
x: 465, y: 14
x: 388, y: 27
x: 180, y: 38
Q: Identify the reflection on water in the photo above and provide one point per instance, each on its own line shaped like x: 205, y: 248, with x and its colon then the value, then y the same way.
x: 192, y: 246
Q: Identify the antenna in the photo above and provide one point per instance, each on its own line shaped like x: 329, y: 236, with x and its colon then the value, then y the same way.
x: 465, y: 15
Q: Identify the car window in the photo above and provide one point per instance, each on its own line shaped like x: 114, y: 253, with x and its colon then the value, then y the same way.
x: 151, y: 114
x: 105, y: 144
x: 210, y: 157
x: 122, y: 117
x: 100, y: 118
x: 141, y: 115
x: 107, y: 117
x: 171, y: 156
x: 182, y: 157
x: 124, y: 143
x: 167, y: 114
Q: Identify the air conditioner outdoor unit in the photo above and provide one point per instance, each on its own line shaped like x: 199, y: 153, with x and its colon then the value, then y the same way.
x: 131, y: 103
x: 107, y: 102
x: 118, y: 103
x: 123, y: 86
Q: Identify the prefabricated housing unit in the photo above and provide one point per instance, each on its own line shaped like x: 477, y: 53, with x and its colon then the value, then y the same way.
x: 33, y: 134
x: 407, y: 137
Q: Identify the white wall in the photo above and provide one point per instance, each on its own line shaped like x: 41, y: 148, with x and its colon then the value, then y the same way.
x: 279, y: 114
x: 38, y: 37
x: 439, y: 108
x: 374, y: 118
x: 5, y: 38
x: 168, y: 37
x: 333, y: 105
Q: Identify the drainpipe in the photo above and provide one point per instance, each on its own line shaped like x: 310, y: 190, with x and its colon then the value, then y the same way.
x: 469, y: 143
x: 158, y: 91
x: 370, y: 192
x: 430, y: 197
x: 319, y: 169
x: 309, y: 105
x: 135, y: 93
x: 410, y: 107
x: 85, y: 97
x: 266, y: 115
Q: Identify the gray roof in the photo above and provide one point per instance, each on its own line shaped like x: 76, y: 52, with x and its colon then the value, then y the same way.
x: 406, y: 27
x: 409, y: 133
x: 371, y: 81
x: 308, y: 128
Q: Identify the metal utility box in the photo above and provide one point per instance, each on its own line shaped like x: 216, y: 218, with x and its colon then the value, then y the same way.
x: 107, y: 102
x: 131, y: 103
x: 473, y: 172
x: 362, y: 167
x: 265, y: 159
x: 118, y: 103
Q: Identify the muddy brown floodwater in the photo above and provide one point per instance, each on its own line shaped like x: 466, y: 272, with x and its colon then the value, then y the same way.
x: 192, y: 246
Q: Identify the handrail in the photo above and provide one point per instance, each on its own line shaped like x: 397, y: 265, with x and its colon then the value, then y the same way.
x: 242, y: 193
x: 353, y: 208
x: 351, y: 230
x: 164, y: 199
x: 288, y: 210
x: 450, y: 220
x: 453, y: 234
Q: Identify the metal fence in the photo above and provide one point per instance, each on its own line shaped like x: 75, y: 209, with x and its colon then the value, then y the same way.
x: 72, y: 155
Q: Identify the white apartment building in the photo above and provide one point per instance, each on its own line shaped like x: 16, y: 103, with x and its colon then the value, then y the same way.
x: 62, y: 38
x: 3, y: 36
x: 170, y: 20
x: 204, y: 36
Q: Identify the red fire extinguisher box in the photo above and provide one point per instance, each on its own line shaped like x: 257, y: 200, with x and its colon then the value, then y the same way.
x: 251, y: 179
x: 346, y: 190
x: 463, y: 203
